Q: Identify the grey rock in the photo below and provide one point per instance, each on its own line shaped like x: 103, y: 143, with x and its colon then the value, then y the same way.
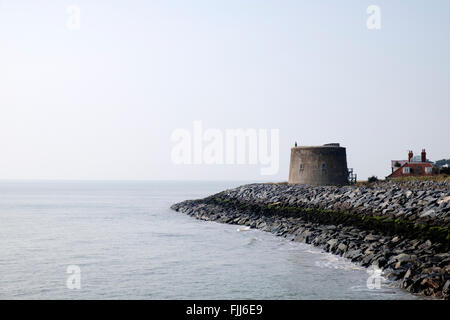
x: 429, y: 213
x: 342, y: 247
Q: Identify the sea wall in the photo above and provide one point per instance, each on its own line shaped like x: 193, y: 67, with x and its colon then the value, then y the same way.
x: 401, y: 227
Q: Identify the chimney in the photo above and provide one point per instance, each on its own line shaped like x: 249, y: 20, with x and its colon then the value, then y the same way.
x: 424, y: 156
x: 410, y: 155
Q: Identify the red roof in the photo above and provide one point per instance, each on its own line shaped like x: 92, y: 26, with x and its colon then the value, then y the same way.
x: 416, y: 169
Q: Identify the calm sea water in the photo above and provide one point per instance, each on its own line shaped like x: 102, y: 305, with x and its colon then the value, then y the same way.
x: 128, y: 244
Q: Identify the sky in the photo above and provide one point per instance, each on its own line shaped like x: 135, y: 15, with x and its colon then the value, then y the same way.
x: 101, y: 100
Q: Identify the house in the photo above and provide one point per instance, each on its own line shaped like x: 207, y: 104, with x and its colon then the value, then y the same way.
x: 414, y: 166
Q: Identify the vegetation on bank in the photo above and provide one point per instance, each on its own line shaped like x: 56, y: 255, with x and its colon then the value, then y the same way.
x: 374, y: 179
x: 438, y: 178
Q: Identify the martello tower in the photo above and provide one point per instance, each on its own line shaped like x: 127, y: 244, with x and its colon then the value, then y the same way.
x: 319, y: 165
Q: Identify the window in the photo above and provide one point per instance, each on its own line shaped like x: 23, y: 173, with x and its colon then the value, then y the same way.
x: 302, y: 166
x: 428, y: 170
x: 324, y: 168
x: 406, y: 170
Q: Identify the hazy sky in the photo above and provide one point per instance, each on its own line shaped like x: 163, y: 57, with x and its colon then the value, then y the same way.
x: 102, y: 102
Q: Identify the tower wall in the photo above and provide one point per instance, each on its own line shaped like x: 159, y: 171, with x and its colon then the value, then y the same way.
x: 322, y: 165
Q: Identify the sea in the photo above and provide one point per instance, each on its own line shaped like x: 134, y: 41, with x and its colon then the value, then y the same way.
x: 120, y: 240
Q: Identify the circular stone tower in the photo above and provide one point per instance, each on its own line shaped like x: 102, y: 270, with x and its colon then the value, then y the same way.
x: 322, y: 165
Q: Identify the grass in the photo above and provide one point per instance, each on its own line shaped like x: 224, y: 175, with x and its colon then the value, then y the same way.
x: 439, y: 178
x: 281, y: 183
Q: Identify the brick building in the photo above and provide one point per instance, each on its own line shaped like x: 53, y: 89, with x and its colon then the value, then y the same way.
x: 414, y: 166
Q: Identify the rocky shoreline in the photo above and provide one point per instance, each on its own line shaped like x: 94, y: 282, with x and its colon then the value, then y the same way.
x: 401, y: 227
